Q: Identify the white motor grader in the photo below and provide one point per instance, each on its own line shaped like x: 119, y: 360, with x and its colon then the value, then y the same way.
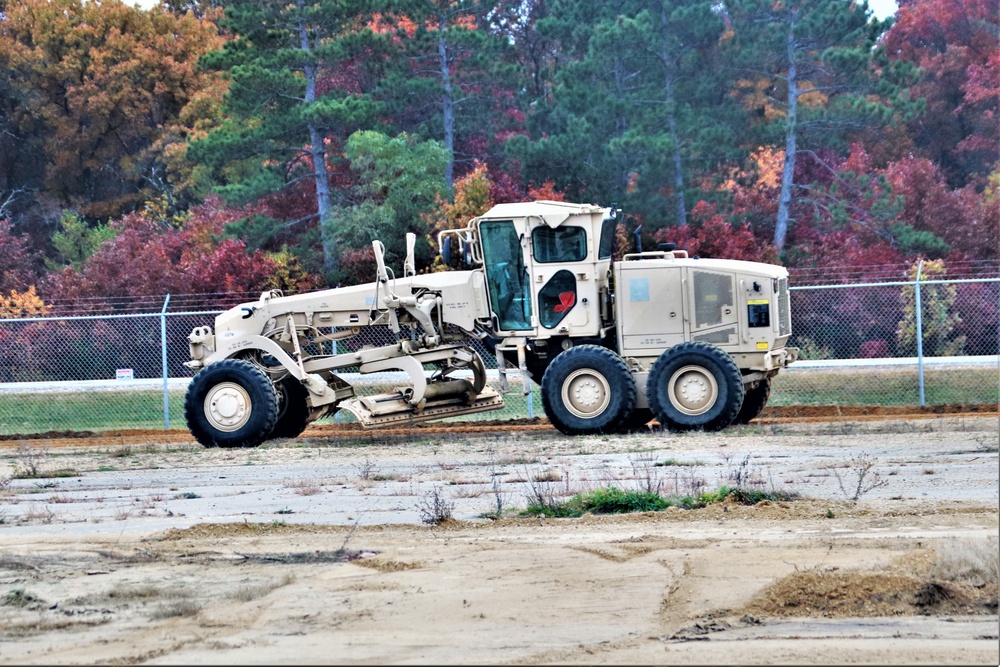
x: 690, y: 342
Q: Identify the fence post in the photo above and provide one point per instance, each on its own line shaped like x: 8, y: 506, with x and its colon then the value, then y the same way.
x: 920, y: 335
x: 163, y: 360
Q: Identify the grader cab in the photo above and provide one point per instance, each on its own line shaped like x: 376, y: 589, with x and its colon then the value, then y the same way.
x: 659, y: 335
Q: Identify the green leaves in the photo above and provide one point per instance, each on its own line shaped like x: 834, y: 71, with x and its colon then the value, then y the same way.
x: 398, y: 179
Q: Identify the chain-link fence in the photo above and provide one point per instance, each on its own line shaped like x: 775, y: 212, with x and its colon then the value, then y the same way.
x: 81, y: 371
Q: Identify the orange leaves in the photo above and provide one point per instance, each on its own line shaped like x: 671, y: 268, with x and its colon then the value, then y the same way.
x: 22, y: 304
x: 108, y: 83
x: 472, y: 198
x: 547, y: 190
x: 757, y: 97
x: 769, y: 162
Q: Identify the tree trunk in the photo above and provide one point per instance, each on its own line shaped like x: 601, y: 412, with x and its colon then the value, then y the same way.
x: 668, y: 83
x: 448, y: 104
x: 788, y: 172
x: 317, y: 152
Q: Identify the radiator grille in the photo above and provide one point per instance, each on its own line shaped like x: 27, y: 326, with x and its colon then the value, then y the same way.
x: 784, y: 308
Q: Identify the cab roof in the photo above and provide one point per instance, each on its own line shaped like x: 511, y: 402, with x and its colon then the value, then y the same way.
x: 554, y: 213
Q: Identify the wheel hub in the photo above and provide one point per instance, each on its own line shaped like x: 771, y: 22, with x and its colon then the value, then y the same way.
x: 693, y: 390
x: 227, y: 406
x: 586, y: 393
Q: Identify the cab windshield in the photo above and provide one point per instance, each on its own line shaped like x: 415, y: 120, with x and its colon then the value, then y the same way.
x: 506, y: 275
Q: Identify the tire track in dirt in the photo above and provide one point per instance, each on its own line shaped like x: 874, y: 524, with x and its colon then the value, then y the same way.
x: 771, y: 415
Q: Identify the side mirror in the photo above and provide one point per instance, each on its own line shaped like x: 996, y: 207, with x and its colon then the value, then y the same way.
x: 446, y: 250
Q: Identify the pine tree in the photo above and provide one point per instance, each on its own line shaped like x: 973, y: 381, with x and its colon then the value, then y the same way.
x: 635, y: 101
x: 289, y: 101
x: 818, y: 74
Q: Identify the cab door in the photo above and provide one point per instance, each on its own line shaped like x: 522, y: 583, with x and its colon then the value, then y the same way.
x: 507, y: 279
x: 563, y: 280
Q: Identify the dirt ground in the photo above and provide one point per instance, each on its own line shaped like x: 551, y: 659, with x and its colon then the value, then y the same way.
x: 142, y: 550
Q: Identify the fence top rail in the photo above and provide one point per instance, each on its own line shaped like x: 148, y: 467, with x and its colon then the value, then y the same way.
x: 164, y: 310
x: 120, y: 316
x: 900, y: 283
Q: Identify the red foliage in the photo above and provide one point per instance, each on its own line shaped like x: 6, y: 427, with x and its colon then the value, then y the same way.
x: 227, y: 268
x: 505, y: 189
x: 959, y: 217
x: 149, y: 257
x: 547, y: 191
x: 140, y: 260
x: 710, y: 235
x: 846, y: 257
x: 16, y: 266
x: 871, y: 349
x: 358, y: 265
x: 955, y: 43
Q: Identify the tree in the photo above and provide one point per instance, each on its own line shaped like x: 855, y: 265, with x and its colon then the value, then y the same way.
x: 823, y: 76
x: 76, y: 242
x: 956, y: 43
x: 17, y: 266
x: 962, y: 220
x: 454, y: 83
x: 634, y: 106
x: 398, y: 181
x: 938, y: 316
x: 94, y: 91
x: 710, y: 235
x: 674, y: 33
x: 151, y: 253
x: 288, y: 110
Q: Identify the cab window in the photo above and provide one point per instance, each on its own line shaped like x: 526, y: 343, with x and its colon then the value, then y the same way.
x: 607, y: 245
x: 562, y: 244
x: 506, y: 275
x: 556, y: 298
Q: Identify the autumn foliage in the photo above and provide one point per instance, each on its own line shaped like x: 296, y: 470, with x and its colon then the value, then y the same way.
x: 121, y: 128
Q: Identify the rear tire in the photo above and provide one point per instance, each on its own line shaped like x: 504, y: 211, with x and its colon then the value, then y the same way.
x: 695, y: 386
x: 231, y: 403
x: 588, y: 389
x: 754, y: 401
x: 293, y: 408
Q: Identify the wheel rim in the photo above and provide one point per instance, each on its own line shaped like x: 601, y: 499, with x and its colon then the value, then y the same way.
x: 586, y: 393
x: 228, y: 406
x: 693, y: 390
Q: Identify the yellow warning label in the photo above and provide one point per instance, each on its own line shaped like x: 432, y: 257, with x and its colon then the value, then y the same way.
x: 758, y: 302
x: 762, y: 346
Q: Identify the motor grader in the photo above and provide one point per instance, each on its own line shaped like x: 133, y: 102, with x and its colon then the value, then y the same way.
x: 688, y: 341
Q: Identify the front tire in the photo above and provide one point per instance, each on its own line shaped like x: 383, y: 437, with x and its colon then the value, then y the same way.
x: 588, y: 389
x: 753, y: 402
x: 695, y: 386
x: 231, y: 403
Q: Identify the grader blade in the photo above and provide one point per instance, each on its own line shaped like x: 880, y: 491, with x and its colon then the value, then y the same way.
x: 394, y: 408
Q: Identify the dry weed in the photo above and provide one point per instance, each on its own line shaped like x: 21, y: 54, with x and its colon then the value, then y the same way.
x: 970, y: 561
x: 434, y: 508
x: 304, y: 487
x: 255, y: 591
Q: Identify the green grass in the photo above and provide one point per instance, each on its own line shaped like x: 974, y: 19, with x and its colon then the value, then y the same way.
x: 612, y: 500
x: 88, y: 411
x: 143, y: 409
x: 886, y: 386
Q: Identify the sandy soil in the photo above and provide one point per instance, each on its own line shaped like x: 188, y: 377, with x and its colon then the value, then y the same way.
x: 318, y: 550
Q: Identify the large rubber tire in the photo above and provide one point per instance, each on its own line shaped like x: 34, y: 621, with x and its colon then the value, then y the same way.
x: 588, y: 389
x: 754, y: 401
x: 695, y: 386
x: 293, y: 408
x: 231, y: 403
